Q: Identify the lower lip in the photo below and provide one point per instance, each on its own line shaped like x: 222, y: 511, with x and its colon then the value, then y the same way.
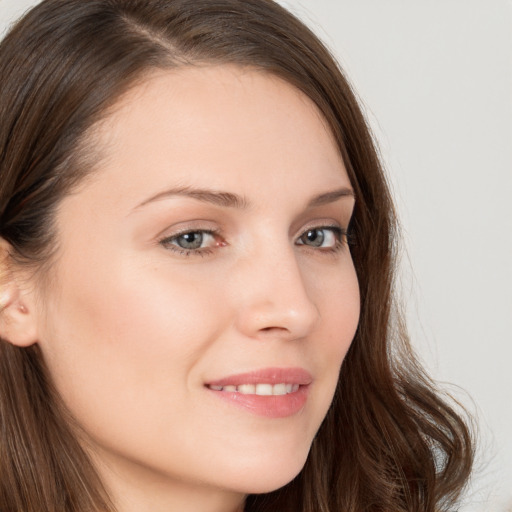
x: 269, y: 406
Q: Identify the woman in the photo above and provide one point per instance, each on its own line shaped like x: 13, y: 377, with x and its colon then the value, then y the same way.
x: 197, y: 274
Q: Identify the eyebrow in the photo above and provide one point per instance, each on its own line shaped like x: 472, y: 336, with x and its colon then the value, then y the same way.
x: 230, y: 200
x: 331, y: 197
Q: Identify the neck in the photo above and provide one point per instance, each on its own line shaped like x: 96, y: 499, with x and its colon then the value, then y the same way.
x: 136, y: 489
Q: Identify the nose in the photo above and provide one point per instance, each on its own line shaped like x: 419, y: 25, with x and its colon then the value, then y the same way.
x: 273, y: 299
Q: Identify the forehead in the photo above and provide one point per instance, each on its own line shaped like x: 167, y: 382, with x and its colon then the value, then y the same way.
x: 215, y: 126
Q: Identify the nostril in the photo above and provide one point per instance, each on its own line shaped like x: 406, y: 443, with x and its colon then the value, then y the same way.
x: 270, y: 329
x: 289, y: 315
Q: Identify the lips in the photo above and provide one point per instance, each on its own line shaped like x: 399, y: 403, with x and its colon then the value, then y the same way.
x: 260, y: 389
x: 266, y: 376
x: 269, y: 392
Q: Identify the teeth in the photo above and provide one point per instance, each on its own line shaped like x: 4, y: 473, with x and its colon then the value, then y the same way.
x: 280, y: 389
x: 265, y: 389
x: 247, y: 389
x: 259, y: 389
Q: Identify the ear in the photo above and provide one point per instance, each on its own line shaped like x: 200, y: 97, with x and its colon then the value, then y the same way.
x: 17, y: 313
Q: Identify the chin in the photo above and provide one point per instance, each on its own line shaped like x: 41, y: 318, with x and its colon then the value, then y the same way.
x: 267, y: 485
x: 268, y: 476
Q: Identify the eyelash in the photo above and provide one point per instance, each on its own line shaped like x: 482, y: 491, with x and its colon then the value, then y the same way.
x: 203, y: 251
x: 343, y: 239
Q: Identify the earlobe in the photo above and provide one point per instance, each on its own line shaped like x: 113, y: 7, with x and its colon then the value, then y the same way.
x: 17, y: 321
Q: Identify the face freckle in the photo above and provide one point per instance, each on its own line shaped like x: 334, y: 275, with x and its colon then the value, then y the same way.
x: 162, y: 302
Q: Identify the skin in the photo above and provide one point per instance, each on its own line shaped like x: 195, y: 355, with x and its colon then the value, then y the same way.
x: 132, y: 329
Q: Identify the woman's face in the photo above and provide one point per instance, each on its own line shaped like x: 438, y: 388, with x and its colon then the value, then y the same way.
x: 202, y: 267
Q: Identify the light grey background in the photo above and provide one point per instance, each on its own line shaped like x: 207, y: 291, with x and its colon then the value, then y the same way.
x: 436, y: 80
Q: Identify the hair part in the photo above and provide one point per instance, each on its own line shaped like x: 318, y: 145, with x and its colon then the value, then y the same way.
x: 389, y: 441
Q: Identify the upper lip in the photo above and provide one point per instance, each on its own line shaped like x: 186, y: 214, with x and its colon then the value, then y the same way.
x: 267, y: 376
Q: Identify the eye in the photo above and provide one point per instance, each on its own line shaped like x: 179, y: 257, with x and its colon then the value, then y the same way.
x: 187, y: 242
x: 192, y: 240
x: 322, y: 237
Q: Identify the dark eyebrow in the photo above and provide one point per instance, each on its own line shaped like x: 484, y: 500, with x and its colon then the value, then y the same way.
x: 230, y: 200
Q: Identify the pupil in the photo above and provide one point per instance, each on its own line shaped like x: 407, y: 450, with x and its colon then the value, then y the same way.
x: 315, y: 237
x: 190, y: 240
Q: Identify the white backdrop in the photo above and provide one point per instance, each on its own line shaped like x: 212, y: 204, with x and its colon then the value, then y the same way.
x: 436, y: 79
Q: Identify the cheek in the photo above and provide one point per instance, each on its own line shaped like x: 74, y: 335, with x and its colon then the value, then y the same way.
x: 339, y: 307
x: 338, y: 302
x: 121, y: 335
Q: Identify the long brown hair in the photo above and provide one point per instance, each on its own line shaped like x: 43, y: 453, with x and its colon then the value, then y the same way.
x: 389, y: 441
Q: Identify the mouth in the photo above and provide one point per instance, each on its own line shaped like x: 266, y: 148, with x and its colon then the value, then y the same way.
x: 260, y: 389
x: 270, y: 392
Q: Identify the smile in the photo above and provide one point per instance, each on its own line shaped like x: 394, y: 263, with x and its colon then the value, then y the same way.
x: 269, y: 392
x: 259, y: 389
